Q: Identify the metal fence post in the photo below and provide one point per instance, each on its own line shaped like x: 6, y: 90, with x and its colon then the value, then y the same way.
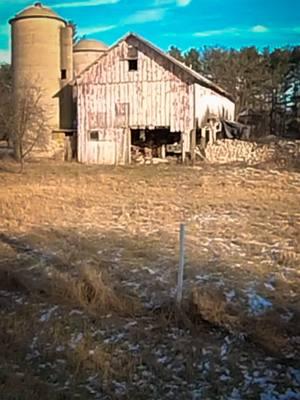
x: 181, y: 264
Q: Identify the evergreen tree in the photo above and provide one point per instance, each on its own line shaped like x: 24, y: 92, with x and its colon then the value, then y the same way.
x: 176, y: 53
x: 76, y: 36
x: 192, y: 59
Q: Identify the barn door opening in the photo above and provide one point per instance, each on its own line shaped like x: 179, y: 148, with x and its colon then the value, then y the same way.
x: 159, y: 144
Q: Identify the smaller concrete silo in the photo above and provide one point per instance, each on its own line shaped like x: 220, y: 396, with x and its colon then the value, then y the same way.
x: 85, y: 52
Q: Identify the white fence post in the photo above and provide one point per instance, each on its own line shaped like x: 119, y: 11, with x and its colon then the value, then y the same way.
x: 181, y: 264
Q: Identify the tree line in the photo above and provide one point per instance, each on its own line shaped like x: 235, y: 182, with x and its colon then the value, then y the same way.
x: 264, y: 84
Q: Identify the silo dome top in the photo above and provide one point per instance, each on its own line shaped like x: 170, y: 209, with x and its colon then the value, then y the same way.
x: 37, y: 11
x: 90, y: 45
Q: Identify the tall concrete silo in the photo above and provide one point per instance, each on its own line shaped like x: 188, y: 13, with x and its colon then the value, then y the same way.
x: 85, y: 52
x: 42, y: 57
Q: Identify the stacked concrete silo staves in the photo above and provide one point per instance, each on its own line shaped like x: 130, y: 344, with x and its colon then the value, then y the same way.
x: 85, y: 52
x: 42, y: 57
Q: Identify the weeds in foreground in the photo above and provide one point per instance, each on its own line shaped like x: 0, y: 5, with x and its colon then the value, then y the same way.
x: 93, y: 292
x: 269, y: 330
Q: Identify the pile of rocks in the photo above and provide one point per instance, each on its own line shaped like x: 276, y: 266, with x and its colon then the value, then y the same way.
x: 227, y: 151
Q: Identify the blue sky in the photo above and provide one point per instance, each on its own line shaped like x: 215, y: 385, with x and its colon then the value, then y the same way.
x: 184, y: 23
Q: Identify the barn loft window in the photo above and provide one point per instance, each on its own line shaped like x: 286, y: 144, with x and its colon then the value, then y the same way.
x: 132, y: 57
x: 133, y: 65
x: 63, y: 74
x: 94, y: 135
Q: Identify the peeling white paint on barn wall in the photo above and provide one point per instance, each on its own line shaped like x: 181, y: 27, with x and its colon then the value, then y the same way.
x: 208, y: 101
x: 158, y: 94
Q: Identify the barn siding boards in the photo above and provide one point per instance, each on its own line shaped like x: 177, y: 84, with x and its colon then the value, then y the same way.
x: 159, y: 94
x: 208, y: 101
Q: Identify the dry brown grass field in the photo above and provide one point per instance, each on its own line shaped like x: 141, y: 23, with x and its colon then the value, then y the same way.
x: 88, y: 268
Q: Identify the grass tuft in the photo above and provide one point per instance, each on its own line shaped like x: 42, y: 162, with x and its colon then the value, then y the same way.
x: 92, y: 291
x: 266, y: 330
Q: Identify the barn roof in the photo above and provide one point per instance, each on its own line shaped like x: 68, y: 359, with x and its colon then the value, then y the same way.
x: 202, y: 80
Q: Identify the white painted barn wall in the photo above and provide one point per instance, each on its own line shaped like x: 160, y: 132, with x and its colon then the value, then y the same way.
x: 208, y: 101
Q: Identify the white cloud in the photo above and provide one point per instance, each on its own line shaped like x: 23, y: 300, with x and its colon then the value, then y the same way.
x: 95, y: 29
x: 4, y: 56
x: 232, y: 31
x: 22, y: 2
x: 144, y: 16
x: 183, y: 3
x: 217, y: 32
x: 259, y: 29
x: 179, y: 3
x: 140, y: 17
x: 84, y: 3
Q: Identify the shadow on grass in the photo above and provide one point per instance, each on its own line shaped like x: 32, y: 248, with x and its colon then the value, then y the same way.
x: 89, y: 273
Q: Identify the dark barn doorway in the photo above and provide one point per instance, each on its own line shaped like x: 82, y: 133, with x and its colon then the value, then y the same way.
x: 155, y: 143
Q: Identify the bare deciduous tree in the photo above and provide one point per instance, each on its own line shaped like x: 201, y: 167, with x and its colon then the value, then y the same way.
x: 29, y: 128
x: 5, y: 101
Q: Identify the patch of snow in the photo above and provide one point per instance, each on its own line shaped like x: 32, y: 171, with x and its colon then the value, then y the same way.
x: 288, y: 395
x: 117, y: 255
x: 230, y: 295
x: 206, y: 365
x: 34, y: 353
x: 75, y: 312
x: 120, y: 387
x: 162, y: 360
x: 205, y: 352
x: 90, y: 389
x: 19, y: 300
x: 115, y: 338
x: 269, y: 286
x: 134, y: 347
x: 224, y: 378
x: 151, y: 271
x: 130, y: 324
x: 294, y: 374
x: 235, y: 395
x: 5, y: 293
x: 132, y: 284
x: 287, y: 316
x: 258, y: 305
x: 47, y: 314
x: 203, y: 277
x: 224, y: 350
x: 75, y: 339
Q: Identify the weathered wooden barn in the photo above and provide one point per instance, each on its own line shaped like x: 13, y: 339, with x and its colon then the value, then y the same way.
x: 135, y: 93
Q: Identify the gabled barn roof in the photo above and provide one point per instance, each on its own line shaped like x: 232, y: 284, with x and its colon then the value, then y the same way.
x: 202, y: 80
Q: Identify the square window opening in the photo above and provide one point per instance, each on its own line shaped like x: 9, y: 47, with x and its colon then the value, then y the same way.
x: 63, y: 74
x: 133, y: 65
x: 94, y: 135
